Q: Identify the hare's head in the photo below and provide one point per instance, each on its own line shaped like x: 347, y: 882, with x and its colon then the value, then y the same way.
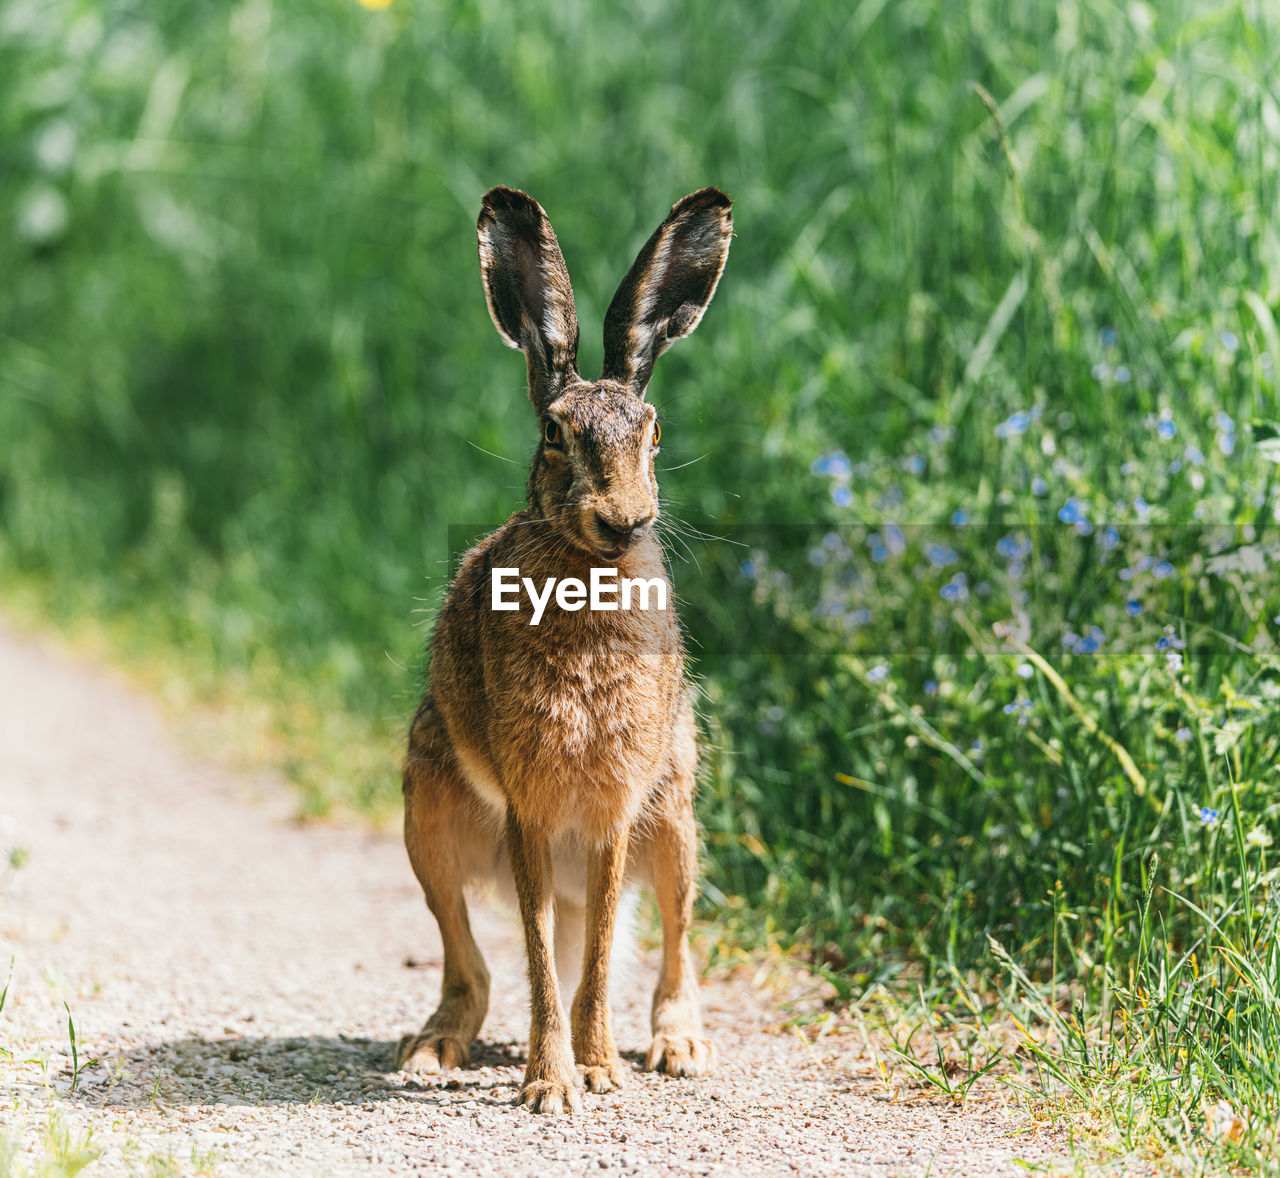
x: 592, y: 475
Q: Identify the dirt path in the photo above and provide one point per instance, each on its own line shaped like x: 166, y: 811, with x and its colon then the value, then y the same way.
x: 244, y: 980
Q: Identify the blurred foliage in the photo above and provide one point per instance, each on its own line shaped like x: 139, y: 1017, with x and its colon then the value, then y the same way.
x: 993, y: 260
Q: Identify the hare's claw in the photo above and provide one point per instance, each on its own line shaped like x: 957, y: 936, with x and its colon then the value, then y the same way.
x: 550, y: 1096
x: 681, y: 1055
x: 603, y: 1077
x: 430, y: 1053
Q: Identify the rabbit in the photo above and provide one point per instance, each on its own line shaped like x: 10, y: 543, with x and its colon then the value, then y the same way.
x: 562, y: 756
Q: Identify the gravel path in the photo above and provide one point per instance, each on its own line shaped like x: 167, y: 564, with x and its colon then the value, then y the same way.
x: 244, y: 980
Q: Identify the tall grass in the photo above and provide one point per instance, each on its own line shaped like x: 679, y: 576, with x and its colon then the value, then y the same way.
x: 994, y: 619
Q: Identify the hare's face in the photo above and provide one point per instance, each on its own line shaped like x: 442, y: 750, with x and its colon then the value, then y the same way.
x: 593, y: 473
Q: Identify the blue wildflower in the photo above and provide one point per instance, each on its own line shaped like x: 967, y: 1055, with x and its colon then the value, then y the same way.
x: 1089, y: 643
x: 1123, y: 374
x: 956, y: 589
x: 1069, y: 512
x: 931, y: 687
x: 1014, y: 425
x: 1107, y: 337
x: 960, y: 517
x: 1092, y: 642
x: 878, y: 673
x: 1021, y: 707
x: 1195, y: 456
x: 1039, y: 488
x: 1229, y: 340
x: 1208, y: 816
x: 841, y: 496
x: 939, y: 555
x: 1110, y: 538
x: 1183, y: 734
x: 1162, y: 570
x: 1013, y: 547
x: 1166, y: 429
x: 833, y: 464
x: 1133, y: 608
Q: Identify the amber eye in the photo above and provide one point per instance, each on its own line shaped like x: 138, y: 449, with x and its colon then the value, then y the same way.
x: 551, y: 433
x: 657, y: 433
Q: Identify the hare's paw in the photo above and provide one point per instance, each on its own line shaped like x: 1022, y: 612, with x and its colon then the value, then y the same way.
x: 681, y: 1055
x: 550, y: 1082
x: 602, y: 1077
x: 550, y: 1096
x: 432, y: 1052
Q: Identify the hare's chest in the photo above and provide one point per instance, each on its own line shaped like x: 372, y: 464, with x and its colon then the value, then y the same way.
x: 581, y: 736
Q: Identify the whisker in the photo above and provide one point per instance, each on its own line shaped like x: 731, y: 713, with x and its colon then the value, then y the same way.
x: 696, y: 533
x: 666, y: 531
x: 500, y: 457
x: 682, y: 465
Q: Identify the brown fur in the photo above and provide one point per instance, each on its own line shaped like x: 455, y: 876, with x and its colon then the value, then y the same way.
x: 539, y: 745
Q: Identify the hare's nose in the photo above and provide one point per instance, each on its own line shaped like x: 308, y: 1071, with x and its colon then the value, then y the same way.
x: 618, y: 534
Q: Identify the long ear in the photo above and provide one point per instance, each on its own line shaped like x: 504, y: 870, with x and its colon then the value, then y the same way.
x: 527, y: 286
x: 668, y: 287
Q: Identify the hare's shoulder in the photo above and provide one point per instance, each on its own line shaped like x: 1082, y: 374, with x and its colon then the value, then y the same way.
x: 470, y: 587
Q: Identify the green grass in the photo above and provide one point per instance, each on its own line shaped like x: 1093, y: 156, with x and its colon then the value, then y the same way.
x: 58, y: 1152
x: 1018, y: 262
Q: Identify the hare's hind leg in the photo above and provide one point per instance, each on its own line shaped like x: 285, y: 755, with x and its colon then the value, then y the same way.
x: 680, y: 1046
x: 445, y: 841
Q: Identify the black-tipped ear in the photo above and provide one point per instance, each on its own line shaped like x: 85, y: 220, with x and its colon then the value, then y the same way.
x: 668, y: 287
x: 527, y: 287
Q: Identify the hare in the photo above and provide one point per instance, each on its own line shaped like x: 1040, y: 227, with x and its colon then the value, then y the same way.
x: 561, y: 755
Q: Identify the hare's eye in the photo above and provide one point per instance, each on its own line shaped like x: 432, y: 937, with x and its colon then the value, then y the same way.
x: 551, y: 433
x: 657, y: 433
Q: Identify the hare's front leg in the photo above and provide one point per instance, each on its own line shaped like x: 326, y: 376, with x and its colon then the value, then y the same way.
x: 592, y: 1035
x: 550, y: 1080
x: 680, y: 1047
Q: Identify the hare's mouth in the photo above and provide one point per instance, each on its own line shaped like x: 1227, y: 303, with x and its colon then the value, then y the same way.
x: 611, y: 538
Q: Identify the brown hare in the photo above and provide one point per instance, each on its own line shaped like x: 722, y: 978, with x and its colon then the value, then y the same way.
x: 561, y: 754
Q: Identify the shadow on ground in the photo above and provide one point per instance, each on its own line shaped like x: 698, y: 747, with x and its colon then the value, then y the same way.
x: 319, y: 1070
